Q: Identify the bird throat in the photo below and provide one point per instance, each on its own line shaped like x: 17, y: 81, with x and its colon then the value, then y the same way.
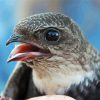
x: 57, y: 78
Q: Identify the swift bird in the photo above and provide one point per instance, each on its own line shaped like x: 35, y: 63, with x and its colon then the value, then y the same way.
x: 55, y: 58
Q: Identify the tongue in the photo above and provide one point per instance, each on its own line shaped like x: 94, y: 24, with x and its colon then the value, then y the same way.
x: 24, y: 52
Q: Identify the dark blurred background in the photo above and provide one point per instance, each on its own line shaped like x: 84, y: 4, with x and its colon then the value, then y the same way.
x: 85, y: 12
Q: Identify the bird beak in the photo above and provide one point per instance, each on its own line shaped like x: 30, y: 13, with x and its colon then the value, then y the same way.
x: 14, y: 38
x: 25, y: 51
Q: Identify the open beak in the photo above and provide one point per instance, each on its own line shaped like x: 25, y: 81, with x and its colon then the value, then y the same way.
x: 25, y: 51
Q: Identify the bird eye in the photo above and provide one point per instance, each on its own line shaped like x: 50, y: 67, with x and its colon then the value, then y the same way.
x: 52, y: 35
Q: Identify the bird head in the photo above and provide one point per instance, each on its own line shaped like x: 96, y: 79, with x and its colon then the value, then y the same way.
x: 46, y: 35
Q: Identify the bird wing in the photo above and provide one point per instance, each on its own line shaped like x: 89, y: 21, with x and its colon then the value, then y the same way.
x: 86, y: 90
x: 20, y: 85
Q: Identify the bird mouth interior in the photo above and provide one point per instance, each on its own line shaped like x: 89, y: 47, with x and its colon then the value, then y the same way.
x: 27, y: 51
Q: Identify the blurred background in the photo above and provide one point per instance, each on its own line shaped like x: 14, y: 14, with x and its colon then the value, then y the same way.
x: 85, y: 12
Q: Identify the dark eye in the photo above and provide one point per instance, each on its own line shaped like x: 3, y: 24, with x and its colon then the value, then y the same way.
x: 52, y: 35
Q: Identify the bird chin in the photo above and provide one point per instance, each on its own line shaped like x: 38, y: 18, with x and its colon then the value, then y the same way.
x: 27, y: 52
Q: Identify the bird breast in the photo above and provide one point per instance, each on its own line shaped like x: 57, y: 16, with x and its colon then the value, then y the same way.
x: 55, y: 77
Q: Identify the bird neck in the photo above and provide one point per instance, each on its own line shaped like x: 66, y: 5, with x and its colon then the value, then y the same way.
x: 91, y: 57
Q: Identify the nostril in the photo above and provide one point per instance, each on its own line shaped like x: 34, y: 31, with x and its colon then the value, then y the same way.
x: 13, y: 38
